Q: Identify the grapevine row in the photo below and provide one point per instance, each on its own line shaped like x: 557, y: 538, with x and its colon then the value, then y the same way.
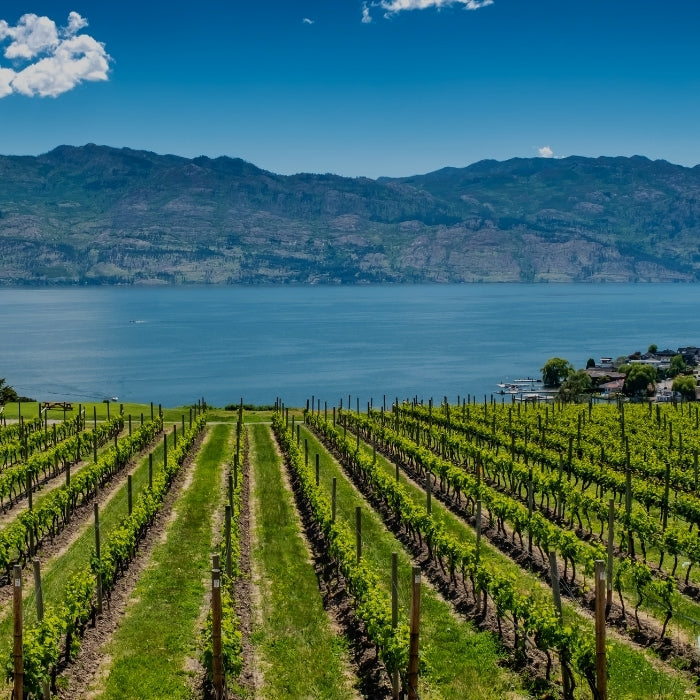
x: 537, y: 618
x: 372, y: 604
x: 15, y: 481
x: 59, y: 632
x: 636, y: 521
x: 55, y: 509
x: 545, y: 534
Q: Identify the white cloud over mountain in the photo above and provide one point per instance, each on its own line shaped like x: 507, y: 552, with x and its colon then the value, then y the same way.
x: 47, y: 60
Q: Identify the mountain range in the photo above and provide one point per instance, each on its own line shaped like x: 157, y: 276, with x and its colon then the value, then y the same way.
x: 102, y: 215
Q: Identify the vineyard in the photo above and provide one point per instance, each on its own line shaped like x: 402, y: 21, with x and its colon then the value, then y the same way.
x: 418, y: 549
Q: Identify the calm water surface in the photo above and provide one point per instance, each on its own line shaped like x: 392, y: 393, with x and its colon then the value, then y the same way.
x: 174, y: 345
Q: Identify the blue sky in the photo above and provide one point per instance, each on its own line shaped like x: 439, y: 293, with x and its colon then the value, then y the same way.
x: 384, y: 87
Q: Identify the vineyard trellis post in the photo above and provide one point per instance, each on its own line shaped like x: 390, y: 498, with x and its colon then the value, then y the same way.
x: 216, y: 612
x: 611, y: 554
x: 227, y: 537
x: 556, y: 595
x: 39, y: 596
x: 412, y: 676
x: 428, y: 492
x: 600, y: 660
x: 18, y: 689
x: 478, y: 530
x: 395, y: 615
x: 97, y: 557
x: 333, y: 497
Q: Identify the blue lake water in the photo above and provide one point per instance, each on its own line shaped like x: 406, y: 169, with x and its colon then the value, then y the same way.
x: 174, y: 345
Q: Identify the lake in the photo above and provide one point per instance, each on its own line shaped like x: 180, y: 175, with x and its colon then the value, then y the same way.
x: 175, y: 345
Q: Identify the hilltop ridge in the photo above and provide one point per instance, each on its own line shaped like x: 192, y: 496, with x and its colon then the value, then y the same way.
x: 102, y: 215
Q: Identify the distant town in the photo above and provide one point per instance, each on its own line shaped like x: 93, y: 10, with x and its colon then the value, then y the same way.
x: 656, y: 375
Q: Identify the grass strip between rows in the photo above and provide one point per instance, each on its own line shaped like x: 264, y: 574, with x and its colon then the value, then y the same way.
x: 158, y: 632
x: 301, y: 655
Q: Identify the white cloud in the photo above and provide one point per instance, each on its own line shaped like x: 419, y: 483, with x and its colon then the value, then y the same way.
x: 394, y: 6
x: 306, y: 20
x: 6, y: 77
x: 48, y: 60
x: 546, y: 152
x: 366, y: 17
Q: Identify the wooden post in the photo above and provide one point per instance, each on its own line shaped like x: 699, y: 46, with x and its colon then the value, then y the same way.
x: 231, y: 489
x: 358, y: 533
x: 18, y: 691
x: 38, y: 591
x: 94, y: 448
x: 94, y: 417
x: 556, y: 595
x: 129, y: 494
x: 601, y: 670
x: 333, y: 498
x: 554, y: 572
x: 39, y: 597
x: 217, y: 661
x: 628, y: 508
x: 395, y: 615
x: 130, y: 425
x: 530, y: 504
x: 667, y: 484
x: 611, y: 534
x: 227, y: 538
x: 151, y: 409
x: 478, y: 530
x: 97, y: 555
x: 412, y: 677
x: 428, y: 493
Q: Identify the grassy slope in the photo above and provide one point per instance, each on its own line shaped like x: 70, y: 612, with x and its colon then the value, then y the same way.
x: 301, y: 655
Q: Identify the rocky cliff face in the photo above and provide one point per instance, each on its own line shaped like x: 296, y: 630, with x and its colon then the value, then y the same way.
x: 98, y: 215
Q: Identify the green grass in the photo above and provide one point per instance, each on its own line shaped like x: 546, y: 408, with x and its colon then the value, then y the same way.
x: 301, y: 655
x: 647, y: 681
x: 159, y: 631
x: 459, y: 660
x: 30, y: 409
